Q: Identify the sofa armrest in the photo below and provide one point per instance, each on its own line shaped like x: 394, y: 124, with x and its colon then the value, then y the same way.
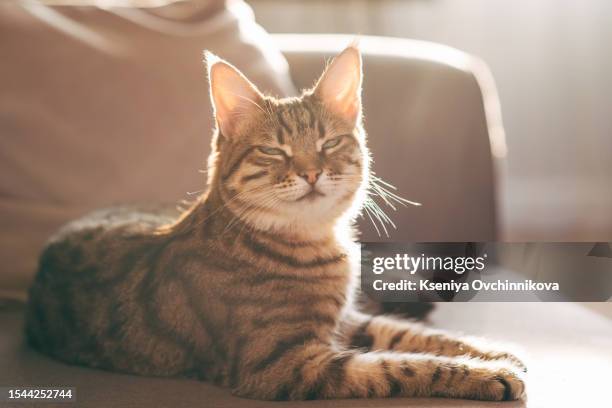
x: 428, y: 130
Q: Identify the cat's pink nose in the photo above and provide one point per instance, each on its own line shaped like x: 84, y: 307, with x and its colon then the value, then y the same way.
x: 311, y: 176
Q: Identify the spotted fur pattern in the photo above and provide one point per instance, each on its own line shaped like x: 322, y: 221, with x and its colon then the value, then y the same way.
x: 252, y: 287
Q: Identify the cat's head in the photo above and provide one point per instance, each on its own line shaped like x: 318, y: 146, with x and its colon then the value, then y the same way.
x: 292, y: 162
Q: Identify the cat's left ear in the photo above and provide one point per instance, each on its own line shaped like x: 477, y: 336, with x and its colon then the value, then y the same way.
x: 233, y: 96
x: 339, y: 88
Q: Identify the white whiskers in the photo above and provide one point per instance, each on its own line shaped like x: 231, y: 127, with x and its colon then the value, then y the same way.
x: 377, y: 187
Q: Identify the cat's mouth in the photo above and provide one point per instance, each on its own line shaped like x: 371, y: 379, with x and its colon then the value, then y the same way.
x: 312, y: 195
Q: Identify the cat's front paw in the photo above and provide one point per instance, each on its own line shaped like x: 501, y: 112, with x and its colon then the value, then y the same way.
x: 497, y: 385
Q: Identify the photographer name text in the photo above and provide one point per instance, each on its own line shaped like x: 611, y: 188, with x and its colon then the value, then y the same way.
x: 477, y: 284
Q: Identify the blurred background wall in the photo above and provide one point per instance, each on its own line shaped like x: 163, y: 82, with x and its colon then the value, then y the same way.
x: 551, y: 60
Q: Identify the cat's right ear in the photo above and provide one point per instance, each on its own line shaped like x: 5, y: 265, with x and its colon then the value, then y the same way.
x: 233, y: 96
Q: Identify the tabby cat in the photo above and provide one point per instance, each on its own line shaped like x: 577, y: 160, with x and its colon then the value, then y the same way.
x: 252, y: 287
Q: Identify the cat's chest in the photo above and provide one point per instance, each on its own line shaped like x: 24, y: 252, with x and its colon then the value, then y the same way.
x: 311, y: 267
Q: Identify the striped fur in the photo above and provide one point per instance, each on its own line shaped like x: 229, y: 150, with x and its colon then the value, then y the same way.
x: 252, y: 287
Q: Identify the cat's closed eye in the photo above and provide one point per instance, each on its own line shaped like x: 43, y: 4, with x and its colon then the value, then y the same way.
x: 332, y: 142
x: 273, y: 151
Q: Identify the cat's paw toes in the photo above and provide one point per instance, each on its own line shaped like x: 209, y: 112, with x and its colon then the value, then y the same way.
x: 502, y: 385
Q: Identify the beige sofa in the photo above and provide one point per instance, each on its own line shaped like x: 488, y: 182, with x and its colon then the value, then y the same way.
x: 429, y: 135
x: 433, y: 123
x: 116, y: 110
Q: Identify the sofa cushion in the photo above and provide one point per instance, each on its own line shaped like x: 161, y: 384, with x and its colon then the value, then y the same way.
x: 106, y: 106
